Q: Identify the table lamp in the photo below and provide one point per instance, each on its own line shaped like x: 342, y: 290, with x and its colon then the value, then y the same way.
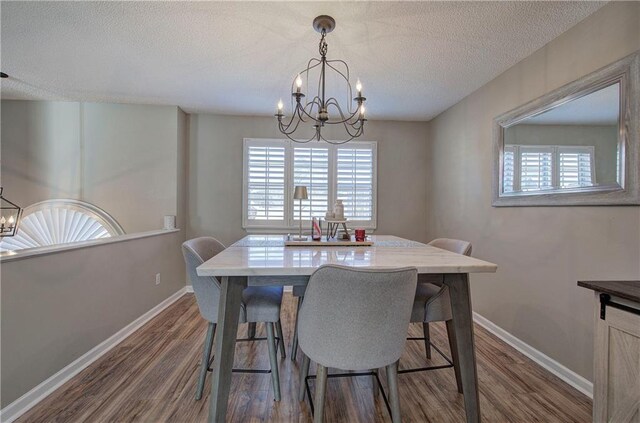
x: 300, y: 193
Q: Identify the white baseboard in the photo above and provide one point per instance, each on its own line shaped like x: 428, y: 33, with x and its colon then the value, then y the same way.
x: 37, y: 394
x: 548, y: 363
x: 189, y: 289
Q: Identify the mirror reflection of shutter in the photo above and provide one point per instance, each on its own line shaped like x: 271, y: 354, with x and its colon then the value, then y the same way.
x: 536, y: 169
x: 354, y: 182
x: 509, y: 171
x: 576, y: 167
x: 266, y: 181
x: 311, y: 169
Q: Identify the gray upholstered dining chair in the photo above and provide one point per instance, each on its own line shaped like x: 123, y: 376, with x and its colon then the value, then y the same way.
x: 355, y: 319
x: 259, y: 304
x: 433, y: 304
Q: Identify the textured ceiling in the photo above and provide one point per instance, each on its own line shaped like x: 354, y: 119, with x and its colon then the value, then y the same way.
x: 415, y: 59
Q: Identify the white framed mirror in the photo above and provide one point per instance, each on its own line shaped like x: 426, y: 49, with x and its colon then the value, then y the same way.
x: 577, y: 145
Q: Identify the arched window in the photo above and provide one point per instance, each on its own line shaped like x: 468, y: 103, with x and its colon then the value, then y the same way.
x: 55, y: 222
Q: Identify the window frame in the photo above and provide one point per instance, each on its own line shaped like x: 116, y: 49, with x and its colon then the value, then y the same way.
x: 290, y: 223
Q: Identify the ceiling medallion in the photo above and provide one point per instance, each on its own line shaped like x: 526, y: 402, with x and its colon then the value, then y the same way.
x: 319, y: 108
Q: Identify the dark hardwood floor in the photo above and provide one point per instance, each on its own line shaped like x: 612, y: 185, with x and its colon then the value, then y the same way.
x: 151, y: 377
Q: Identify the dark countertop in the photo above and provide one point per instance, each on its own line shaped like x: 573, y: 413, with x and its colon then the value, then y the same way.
x: 629, y: 290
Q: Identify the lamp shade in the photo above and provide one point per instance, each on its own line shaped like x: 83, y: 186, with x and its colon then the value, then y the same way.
x: 300, y: 193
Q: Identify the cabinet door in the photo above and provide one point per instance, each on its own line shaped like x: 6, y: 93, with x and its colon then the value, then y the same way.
x: 616, y: 396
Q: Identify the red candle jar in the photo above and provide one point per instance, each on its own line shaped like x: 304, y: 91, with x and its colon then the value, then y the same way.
x: 360, y: 235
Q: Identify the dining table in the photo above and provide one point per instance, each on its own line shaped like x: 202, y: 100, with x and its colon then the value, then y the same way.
x: 264, y: 260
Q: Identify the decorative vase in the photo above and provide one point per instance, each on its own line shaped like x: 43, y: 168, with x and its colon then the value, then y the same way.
x: 338, y: 210
x: 316, y: 229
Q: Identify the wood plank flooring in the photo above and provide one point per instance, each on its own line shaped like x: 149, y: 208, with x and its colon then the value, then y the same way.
x: 151, y: 377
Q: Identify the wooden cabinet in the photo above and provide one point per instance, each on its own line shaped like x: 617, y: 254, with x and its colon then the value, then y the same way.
x: 616, y: 388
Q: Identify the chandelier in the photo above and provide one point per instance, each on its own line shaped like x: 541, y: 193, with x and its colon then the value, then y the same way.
x: 9, y: 216
x: 318, y: 109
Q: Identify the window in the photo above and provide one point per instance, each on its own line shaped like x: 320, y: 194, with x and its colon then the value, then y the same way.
x: 311, y: 169
x: 54, y: 222
x: 272, y: 168
x: 265, y: 182
x: 532, y: 168
x: 354, y: 182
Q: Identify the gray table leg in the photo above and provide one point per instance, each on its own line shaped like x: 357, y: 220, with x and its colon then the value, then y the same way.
x: 463, y: 324
x: 228, y: 314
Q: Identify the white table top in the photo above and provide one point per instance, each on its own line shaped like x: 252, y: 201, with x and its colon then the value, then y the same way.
x: 266, y: 255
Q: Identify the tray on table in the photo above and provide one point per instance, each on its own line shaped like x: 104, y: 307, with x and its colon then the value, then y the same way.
x: 331, y: 242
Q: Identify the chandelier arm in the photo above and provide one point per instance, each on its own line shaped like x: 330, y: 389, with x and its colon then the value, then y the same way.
x: 335, y: 142
x: 345, y: 77
x: 285, y: 126
x: 333, y: 101
x: 348, y: 131
x: 286, y: 131
x: 301, y: 141
x: 312, y: 103
x: 299, y: 110
x: 306, y: 71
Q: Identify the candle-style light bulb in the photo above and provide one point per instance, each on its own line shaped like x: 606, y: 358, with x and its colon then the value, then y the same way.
x: 3, y: 220
x: 359, y: 87
x: 280, y: 106
x: 11, y: 220
x: 298, y: 83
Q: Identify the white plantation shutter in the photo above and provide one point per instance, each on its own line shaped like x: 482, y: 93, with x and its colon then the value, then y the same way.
x: 541, y: 167
x: 272, y: 168
x: 311, y: 169
x: 536, y: 169
x: 265, y: 167
x: 509, y: 171
x: 355, y: 181
x: 575, y: 167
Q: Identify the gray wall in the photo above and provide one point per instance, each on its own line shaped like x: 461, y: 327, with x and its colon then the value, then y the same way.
x: 57, y: 307
x: 541, y: 251
x: 130, y: 160
x: 119, y: 157
x: 215, y: 174
x: 603, y: 138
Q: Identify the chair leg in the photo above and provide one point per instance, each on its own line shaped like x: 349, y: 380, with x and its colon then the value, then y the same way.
x: 283, y: 353
x: 251, y: 330
x: 304, y: 371
x: 427, y: 339
x: 206, y: 356
x: 374, y: 380
x: 392, y: 382
x: 321, y: 389
x: 294, y: 344
x: 451, y: 334
x: 273, y: 359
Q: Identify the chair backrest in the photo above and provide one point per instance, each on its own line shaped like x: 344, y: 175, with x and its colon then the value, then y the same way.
x: 207, y: 289
x: 356, y: 319
x: 453, y: 245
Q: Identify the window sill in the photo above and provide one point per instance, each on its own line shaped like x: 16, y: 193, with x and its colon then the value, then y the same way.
x: 8, y: 256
